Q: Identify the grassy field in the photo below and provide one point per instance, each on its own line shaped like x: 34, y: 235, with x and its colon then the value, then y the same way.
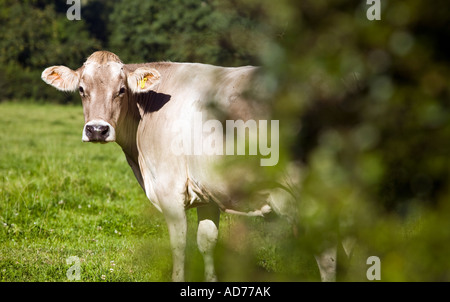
x: 60, y: 197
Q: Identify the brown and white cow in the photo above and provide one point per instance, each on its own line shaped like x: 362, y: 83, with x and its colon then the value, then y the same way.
x: 136, y: 106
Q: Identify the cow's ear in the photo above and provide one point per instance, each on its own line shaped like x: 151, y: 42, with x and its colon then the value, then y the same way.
x: 61, y: 77
x: 143, y: 79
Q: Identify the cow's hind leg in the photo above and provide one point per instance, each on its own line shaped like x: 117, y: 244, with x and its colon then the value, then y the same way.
x: 207, y: 234
x: 327, y: 264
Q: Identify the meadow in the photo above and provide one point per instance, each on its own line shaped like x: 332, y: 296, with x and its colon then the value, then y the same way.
x: 60, y: 198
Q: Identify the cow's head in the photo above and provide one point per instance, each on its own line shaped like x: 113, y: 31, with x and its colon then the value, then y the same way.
x: 105, y: 85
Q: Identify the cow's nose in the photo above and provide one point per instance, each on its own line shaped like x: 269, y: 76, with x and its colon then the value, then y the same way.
x: 97, y: 133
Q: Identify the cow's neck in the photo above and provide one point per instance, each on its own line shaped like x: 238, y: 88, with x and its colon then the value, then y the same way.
x: 126, y: 132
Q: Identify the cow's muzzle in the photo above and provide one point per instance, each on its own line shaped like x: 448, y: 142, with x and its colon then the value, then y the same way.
x: 98, y: 131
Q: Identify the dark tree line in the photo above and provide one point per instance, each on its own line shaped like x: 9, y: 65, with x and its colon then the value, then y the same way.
x: 37, y: 33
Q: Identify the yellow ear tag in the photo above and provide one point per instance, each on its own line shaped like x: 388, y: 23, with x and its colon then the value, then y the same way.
x: 142, y: 82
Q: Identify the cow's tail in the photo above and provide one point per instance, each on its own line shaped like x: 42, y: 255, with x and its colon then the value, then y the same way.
x: 265, y: 209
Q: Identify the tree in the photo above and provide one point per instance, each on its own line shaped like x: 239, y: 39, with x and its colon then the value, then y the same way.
x: 33, y: 38
x: 179, y: 30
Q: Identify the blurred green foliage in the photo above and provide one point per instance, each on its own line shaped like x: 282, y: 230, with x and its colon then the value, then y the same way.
x: 363, y: 105
x: 364, y: 111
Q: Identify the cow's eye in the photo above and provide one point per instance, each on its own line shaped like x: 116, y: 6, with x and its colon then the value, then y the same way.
x: 81, y: 89
x: 122, y: 91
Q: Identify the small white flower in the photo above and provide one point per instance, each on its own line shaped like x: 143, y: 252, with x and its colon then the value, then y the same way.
x: 103, y: 277
x: 111, y: 270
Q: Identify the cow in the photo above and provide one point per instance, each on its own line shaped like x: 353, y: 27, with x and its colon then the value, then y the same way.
x: 136, y: 106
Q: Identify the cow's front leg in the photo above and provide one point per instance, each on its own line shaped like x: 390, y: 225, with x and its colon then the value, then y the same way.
x: 207, y: 234
x: 176, y: 223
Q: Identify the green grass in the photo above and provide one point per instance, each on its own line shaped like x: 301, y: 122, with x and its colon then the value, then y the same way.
x: 60, y: 197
